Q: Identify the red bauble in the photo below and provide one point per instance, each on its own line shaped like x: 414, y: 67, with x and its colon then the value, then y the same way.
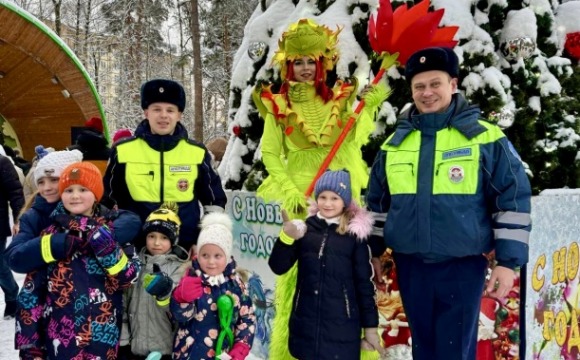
x: 572, y: 45
x: 237, y: 130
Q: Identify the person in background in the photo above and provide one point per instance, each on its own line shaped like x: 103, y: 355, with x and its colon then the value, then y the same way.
x: 79, y: 297
x: 19, y: 161
x: 217, y: 148
x: 121, y: 134
x: 334, y: 275
x: 160, y: 163
x: 11, y: 198
x: 454, y: 189
x: 302, y: 121
x: 147, y: 327
x: 207, y: 327
x: 29, y: 186
x: 4, y: 152
x: 91, y: 141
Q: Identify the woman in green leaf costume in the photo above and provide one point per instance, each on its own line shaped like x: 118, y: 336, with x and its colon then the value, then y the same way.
x: 302, y: 122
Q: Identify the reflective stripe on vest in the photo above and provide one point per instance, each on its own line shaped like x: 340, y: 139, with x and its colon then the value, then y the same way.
x: 456, y: 161
x: 152, y: 176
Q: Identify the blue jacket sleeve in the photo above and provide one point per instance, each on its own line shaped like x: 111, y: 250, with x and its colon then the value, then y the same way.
x: 181, y: 312
x: 24, y: 254
x: 378, y: 197
x: 127, y: 226
x: 378, y: 201
x: 509, y: 194
x: 245, y: 328
x: 283, y: 256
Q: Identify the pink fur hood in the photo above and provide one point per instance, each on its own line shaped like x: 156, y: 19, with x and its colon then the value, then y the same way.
x: 361, y: 225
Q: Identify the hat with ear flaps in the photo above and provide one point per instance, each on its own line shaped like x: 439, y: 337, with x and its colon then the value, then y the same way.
x: 162, y: 90
x: 307, y: 38
x: 433, y: 58
x: 164, y: 220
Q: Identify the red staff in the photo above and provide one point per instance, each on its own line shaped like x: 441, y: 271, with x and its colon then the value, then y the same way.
x: 395, y: 36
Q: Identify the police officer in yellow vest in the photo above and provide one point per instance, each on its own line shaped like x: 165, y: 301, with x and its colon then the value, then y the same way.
x: 454, y: 189
x: 160, y: 163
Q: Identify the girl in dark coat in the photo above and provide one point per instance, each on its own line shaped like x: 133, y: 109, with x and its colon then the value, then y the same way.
x: 334, y: 299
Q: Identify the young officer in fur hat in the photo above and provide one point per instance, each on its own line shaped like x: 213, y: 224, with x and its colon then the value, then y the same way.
x: 160, y: 163
x: 454, y: 189
x: 196, y: 301
x: 147, y: 326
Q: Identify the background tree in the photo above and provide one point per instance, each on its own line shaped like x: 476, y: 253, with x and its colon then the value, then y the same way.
x: 123, y: 43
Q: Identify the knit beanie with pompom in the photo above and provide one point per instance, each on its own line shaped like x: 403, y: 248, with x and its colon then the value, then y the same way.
x: 53, y: 163
x: 164, y: 220
x: 216, y: 229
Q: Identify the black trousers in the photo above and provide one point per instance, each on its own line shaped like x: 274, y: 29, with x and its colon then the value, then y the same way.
x: 442, y: 302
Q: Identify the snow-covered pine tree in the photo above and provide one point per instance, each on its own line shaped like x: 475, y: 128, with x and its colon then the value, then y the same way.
x: 520, y: 64
x: 535, y: 88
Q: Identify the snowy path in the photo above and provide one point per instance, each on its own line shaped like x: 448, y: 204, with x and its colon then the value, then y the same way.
x: 7, y: 351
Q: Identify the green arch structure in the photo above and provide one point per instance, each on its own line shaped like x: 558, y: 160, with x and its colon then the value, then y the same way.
x: 45, y: 90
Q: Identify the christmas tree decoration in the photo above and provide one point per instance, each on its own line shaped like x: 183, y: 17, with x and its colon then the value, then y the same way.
x: 518, y: 48
x: 527, y: 47
x: 504, y: 119
x: 257, y: 50
x: 572, y: 45
x: 501, y: 314
x: 514, y: 335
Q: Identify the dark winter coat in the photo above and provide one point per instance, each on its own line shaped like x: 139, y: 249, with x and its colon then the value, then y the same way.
x: 207, y: 188
x: 73, y: 307
x: 334, y: 298
x: 198, y: 322
x: 10, y: 192
x: 24, y: 254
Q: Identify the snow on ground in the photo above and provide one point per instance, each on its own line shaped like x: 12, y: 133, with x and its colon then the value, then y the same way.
x: 7, y: 351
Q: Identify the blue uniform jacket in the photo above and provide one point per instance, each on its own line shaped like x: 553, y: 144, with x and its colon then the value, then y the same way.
x: 444, y: 225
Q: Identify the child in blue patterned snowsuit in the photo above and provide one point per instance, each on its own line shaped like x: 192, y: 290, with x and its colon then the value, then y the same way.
x: 79, y: 296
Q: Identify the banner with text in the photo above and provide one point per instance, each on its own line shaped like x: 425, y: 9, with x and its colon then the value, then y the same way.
x: 553, y: 298
x: 552, y: 295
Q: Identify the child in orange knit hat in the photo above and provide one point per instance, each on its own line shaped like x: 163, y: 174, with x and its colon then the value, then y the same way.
x: 84, y: 290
